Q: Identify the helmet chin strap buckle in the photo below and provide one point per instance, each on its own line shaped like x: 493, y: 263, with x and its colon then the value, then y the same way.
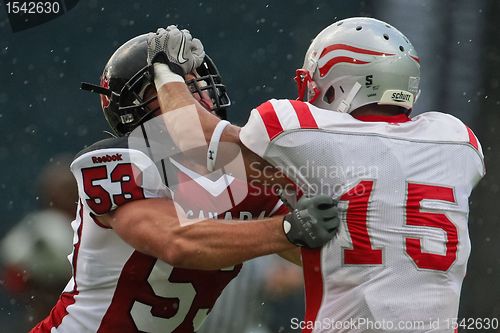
x: 345, y: 104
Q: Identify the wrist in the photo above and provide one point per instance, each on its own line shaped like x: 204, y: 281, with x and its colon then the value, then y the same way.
x: 286, y: 226
x: 280, y: 229
x: 291, y: 228
x: 163, y: 75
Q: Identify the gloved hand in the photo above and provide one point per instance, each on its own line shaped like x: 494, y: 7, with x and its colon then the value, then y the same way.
x: 313, y: 222
x: 176, y: 48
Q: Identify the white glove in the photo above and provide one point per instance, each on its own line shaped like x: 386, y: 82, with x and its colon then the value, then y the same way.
x: 176, y: 48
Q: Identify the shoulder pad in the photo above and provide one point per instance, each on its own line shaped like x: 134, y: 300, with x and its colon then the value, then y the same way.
x: 449, y: 128
x: 109, y: 174
x: 272, y: 118
x: 114, y: 142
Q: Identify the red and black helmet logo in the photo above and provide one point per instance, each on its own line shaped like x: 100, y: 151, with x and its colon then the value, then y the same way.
x: 105, y: 99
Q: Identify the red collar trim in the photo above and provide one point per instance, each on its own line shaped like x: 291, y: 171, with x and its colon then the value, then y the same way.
x: 399, y: 118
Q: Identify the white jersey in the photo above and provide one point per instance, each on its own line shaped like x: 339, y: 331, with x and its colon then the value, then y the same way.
x: 115, y: 288
x: 400, y: 256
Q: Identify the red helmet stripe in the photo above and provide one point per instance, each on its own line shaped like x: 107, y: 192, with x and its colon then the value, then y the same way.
x: 346, y: 47
x: 334, y: 61
x: 417, y: 59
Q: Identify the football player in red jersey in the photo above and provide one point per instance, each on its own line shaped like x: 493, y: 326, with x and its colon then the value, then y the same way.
x: 404, y: 183
x: 133, y: 249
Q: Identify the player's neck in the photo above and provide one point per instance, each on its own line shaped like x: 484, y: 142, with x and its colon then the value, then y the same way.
x: 378, y: 110
x: 374, y: 112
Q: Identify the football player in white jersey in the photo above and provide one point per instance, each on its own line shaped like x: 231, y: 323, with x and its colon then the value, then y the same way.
x: 399, y: 259
x: 132, y: 257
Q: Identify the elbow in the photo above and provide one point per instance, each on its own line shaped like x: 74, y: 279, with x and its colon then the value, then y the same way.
x: 186, y: 254
x: 177, y: 252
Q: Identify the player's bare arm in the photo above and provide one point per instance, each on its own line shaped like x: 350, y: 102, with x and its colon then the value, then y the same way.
x: 164, y: 48
x: 152, y: 227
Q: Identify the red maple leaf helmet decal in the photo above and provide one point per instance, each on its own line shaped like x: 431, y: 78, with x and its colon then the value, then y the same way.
x: 105, y: 84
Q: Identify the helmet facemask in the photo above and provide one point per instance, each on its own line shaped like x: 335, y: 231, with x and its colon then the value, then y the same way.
x: 209, y: 80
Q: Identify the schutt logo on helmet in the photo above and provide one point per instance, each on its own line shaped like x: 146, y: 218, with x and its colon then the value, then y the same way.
x: 400, y: 97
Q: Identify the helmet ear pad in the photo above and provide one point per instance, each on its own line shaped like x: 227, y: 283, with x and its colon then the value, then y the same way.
x: 364, y: 61
x: 329, y: 95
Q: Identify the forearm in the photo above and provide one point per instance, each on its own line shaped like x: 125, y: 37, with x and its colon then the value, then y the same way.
x: 214, y: 245
x: 181, y: 109
x: 292, y: 256
x: 173, y: 96
x: 152, y: 227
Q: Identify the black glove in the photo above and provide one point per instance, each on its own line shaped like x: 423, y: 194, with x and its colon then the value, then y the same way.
x: 313, y: 223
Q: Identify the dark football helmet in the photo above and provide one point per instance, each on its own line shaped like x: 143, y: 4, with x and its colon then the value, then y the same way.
x: 126, y: 77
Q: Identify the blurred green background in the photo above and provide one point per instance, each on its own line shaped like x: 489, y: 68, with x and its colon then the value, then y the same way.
x: 257, y: 46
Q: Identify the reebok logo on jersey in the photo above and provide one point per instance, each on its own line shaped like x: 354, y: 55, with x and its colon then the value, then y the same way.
x: 107, y: 158
x: 400, y: 97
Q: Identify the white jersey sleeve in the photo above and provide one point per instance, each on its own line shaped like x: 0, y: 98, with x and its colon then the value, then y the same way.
x: 270, y: 119
x: 110, y: 174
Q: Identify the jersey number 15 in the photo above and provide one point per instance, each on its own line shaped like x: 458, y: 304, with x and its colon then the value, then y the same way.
x: 362, y: 251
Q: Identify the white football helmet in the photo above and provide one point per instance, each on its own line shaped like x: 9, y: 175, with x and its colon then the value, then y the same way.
x: 359, y: 61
